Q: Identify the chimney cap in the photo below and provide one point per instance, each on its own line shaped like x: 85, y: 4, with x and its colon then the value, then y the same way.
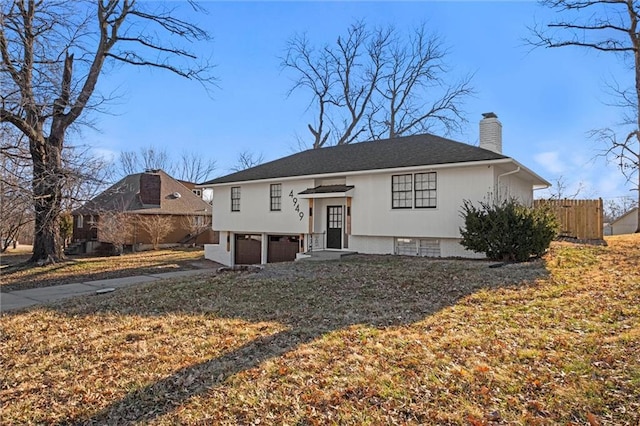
x: 489, y: 115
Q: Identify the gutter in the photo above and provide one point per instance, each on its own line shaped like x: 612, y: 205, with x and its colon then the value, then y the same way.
x: 508, y: 173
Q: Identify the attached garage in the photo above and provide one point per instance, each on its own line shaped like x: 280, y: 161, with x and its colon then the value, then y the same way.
x: 282, y: 248
x: 248, y: 249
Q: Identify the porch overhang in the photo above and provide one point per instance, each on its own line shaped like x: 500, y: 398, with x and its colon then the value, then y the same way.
x: 327, y: 191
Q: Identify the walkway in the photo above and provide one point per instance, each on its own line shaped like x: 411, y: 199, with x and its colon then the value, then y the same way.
x: 19, y: 299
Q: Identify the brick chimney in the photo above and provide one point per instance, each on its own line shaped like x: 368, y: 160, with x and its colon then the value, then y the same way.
x: 150, y: 188
x: 491, y: 132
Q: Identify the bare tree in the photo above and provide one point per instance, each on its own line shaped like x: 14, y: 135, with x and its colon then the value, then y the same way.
x: 376, y: 83
x: 115, y: 227
x: 316, y: 75
x: 148, y: 158
x: 16, y: 206
x: 414, y: 96
x: 246, y: 160
x: 194, y: 167
x: 189, y: 166
x: 157, y: 226
x: 196, y: 224
x: 609, y: 26
x: 617, y: 207
x: 84, y: 176
x: 561, y: 188
x: 342, y: 78
x: 53, y: 53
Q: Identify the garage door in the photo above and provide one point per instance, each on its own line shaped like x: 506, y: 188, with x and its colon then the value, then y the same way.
x: 248, y: 249
x: 282, y: 248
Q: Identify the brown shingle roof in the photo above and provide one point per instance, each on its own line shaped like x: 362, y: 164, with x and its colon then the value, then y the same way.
x: 175, y: 198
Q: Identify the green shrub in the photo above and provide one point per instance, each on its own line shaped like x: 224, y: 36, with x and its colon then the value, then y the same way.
x: 507, y: 231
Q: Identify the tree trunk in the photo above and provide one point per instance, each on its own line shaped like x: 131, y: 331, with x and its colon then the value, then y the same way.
x: 47, y: 193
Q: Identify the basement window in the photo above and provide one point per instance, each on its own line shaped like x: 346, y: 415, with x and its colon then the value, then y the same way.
x: 429, y: 247
x: 406, y: 246
x: 425, y: 247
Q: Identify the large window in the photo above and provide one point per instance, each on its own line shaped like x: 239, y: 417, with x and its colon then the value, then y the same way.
x: 235, y: 199
x: 276, y: 197
x: 401, y: 191
x: 425, y: 184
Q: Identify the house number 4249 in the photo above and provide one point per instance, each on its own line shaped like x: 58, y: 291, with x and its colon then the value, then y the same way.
x: 296, y: 205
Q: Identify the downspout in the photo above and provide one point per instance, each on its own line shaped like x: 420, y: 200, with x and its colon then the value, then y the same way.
x: 503, y: 175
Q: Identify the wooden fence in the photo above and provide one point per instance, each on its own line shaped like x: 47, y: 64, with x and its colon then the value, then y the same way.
x: 581, y: 219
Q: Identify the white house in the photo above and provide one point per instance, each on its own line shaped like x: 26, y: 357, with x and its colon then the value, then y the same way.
x: 625, y: 224
x: 401, y: 196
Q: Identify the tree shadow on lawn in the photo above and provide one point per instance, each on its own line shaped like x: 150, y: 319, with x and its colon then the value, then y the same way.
x: 40, y: 277
x: 310, y: 299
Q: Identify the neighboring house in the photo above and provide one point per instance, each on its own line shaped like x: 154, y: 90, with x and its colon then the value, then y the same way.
x: 394, y: 196
x: 625, y: 224
x: 140, y: 197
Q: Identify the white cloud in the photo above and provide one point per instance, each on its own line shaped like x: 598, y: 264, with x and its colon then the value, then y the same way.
x: 612, y: 184
x: 551, y: 162
x: 106, y: 154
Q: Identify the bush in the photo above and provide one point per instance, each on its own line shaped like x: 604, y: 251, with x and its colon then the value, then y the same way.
x: 507, y: 231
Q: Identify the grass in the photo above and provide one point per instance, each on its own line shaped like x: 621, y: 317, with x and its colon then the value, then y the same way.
x: 369, y: 340
x: 18, y: 275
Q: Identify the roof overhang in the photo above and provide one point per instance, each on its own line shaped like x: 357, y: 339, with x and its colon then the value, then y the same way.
x: 327, y: 191
x: 364, y: 172
x: 537, y: 181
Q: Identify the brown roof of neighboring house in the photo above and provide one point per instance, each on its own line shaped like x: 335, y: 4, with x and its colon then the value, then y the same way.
x: 175, y: 197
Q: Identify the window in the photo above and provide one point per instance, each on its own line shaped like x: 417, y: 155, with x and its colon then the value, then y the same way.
x: 235, y: 199
x: 80, y: 223
x: 405, y: 246
x: 426, y: 247
x: 276, y: 197
x: 429, y: 247
x: 401, y: 191
x: 425, y: 190
x: 198, y: 192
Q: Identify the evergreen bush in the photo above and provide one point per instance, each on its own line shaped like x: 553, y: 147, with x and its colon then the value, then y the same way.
x: 507, y: 231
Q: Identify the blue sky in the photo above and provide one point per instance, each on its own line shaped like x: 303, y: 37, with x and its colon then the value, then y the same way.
x: 546, y: 99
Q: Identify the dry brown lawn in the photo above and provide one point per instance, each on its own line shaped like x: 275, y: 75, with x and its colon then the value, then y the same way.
x: 16, y: 274
x: 368, y: 340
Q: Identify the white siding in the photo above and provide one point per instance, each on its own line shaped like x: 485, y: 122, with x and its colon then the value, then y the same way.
x: 627, y: 224
x: 371, y: 245
x: 372, y: 213
x: 255, y: 215
x: 218, y: 252
x: 374, y: 223
x: 449, y: 247
x: 513, y: 185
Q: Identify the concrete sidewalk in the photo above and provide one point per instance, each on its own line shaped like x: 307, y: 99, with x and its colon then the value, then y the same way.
x: 19, y: 299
